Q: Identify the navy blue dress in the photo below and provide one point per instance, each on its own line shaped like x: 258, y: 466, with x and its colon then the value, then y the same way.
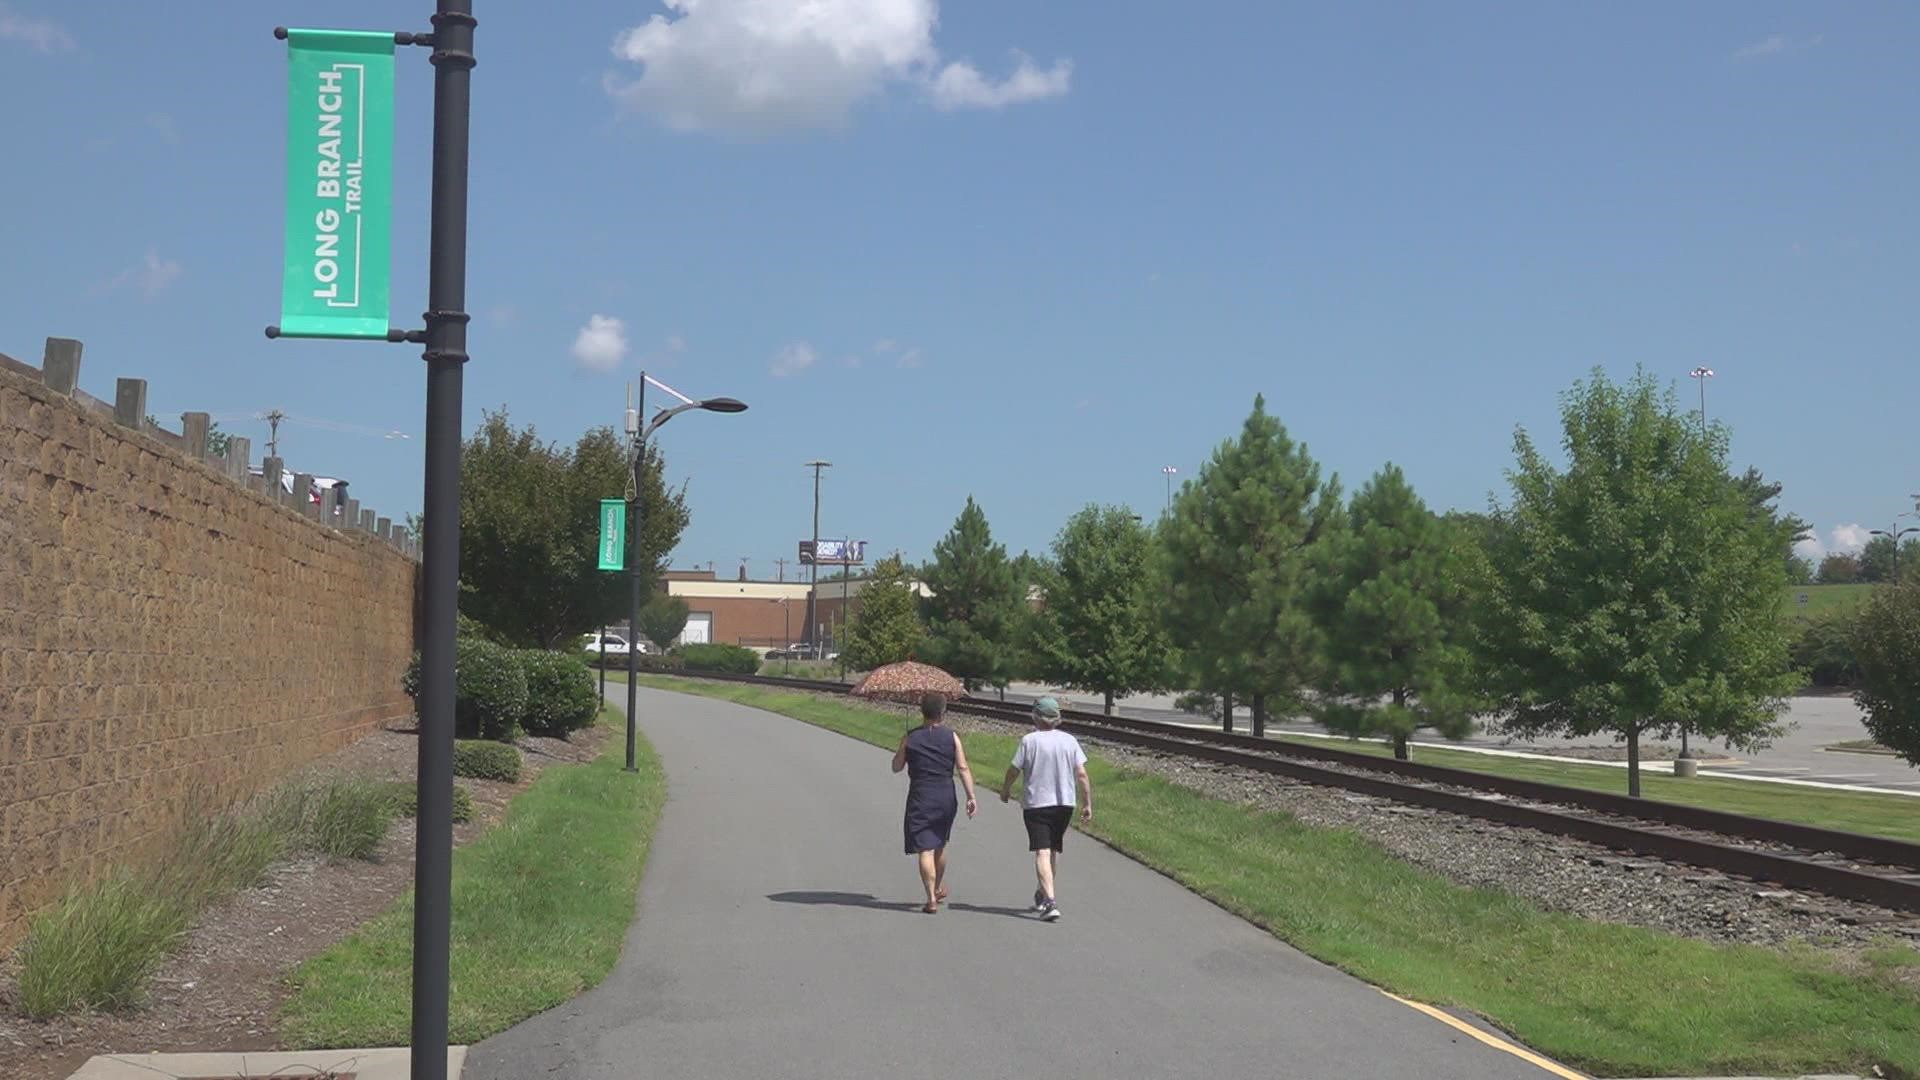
x: 931, y: 800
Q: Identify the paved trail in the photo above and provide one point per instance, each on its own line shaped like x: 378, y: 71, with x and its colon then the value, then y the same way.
x: 778, y: 937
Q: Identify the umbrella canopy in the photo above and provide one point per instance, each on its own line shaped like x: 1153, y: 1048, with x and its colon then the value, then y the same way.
x: 908, y: 681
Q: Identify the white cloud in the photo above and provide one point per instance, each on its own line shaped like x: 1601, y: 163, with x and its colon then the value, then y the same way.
x: 153, y: 276
x: 885, y: 346
x: 852, y: 360
x: 793, y: 359
x: 764, y: 67
x: 961, y: 86
x: 601, y: 344
x: 676, y: 343
x: 1849, y: 538
x: 1841, y: 540
x: 909, y: 359
x: 43, y: 35
x: 1774, y: 45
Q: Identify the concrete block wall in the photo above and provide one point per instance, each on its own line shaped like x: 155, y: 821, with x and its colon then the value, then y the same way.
x: 172, y: 638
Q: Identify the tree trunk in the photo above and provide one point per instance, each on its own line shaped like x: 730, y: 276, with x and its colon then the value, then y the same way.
x: 1109, y: 704
x: 1259, y: 716
x: 1399, y: 740
x: 1226, y: 713
x: 1633, y: 762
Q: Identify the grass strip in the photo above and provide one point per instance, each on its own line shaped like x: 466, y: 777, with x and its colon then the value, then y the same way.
x: 541, y: 904
x: 1894, y: 816
x: 1613, y: 1000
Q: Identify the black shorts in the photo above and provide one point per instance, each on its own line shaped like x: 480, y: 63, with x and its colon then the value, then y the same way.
x: 1047, y: 827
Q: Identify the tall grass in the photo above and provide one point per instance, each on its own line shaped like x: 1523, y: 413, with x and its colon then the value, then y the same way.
x: 98, y: 945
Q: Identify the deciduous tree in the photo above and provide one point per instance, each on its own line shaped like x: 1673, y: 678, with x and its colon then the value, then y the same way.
x: 886, y: 629
x: 529, y: 528
x: 1099, y: 626
x: 1886, y: 646
x: 662, y: 618
x: 1636, y: 590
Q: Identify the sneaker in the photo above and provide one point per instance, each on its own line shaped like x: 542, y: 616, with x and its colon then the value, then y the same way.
x: 1050, y: 911
x: 1039, y: 900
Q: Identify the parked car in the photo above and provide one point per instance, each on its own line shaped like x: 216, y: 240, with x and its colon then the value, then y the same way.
x: 607, y: 647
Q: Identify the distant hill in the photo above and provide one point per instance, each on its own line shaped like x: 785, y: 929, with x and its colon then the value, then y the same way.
x: 1812, y: 600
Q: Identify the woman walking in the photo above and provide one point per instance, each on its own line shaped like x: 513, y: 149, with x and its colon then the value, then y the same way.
x: 930, y: 754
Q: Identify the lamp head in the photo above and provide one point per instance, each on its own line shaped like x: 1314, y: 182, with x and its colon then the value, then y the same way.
x: 723, y: 405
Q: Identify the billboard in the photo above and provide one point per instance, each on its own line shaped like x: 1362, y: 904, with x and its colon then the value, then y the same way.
x: 833, y: 552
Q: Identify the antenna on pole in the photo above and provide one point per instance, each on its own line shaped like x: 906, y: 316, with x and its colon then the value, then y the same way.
x: 273, y: 418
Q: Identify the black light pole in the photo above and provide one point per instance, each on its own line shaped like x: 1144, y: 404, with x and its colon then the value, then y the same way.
x: 719, y: 405
x: 633, y: 575
x: 1894, y: 535
x: 446, y: 352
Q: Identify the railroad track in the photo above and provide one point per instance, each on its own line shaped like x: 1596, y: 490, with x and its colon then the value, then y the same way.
x: 1872, y: 869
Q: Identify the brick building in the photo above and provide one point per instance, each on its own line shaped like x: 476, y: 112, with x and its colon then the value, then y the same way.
x: 760, y: 614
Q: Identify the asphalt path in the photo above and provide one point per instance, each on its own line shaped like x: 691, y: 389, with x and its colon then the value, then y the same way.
x: 778, y: 935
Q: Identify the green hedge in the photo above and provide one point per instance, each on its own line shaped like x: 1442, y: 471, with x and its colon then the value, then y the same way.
x: 561, y: 697
x: 482, y: 760
x: 490, y: 689
x: 726, y: 659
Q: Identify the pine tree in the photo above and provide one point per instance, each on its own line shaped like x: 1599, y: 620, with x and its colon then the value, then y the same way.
x: 1390, y: 600
x: 971, y: 616
x: 1235, y: 564
x: 1099, y: 627
x: 1638, y: 590
x: 886, y: 629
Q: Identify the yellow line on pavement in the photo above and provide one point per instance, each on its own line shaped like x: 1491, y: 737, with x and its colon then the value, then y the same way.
x: 1497, y: 1043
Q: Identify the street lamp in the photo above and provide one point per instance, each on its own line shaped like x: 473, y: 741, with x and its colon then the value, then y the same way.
x: 1168, y: 471
x: 640, y: 436
x: 1701, y: 375
x: 1894, y: 535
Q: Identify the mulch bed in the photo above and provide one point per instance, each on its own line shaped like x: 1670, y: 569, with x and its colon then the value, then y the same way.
x: 223, y: 988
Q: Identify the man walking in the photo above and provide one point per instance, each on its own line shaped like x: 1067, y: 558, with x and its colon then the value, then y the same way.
x: 1051, y: 764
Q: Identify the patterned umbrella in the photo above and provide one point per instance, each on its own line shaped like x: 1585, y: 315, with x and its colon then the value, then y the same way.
x: 908, y: 681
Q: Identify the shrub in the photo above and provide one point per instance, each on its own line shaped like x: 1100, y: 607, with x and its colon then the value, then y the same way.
x: 404, y: 799
x: 1823, y: 648
x: 561, y: 697
x: 490, y: 689
x: 480, y: 760
x: 340, y: 816
x: 652, y: 664
x: 726, y: 659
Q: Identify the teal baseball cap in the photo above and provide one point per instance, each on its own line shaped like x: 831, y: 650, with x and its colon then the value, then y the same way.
x: 1047, y: 707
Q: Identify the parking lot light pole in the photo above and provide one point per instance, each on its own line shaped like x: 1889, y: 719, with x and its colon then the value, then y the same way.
x: 638, y: 573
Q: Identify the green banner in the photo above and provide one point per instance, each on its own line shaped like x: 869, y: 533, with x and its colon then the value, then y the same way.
x: 613, y: 534
x: 339, y: 184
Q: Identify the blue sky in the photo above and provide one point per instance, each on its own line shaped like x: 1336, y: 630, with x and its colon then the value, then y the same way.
x: 1029, y: 251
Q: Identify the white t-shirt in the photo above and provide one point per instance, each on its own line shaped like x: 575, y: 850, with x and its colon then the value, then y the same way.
x: 1048, y: 759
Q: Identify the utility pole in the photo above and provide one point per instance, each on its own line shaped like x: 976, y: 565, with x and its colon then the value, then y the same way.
x: 273, y: 419
x: 1168, y: 471
x: 811, y: 630
x: 782, y: 564
x: 1699, y: 375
